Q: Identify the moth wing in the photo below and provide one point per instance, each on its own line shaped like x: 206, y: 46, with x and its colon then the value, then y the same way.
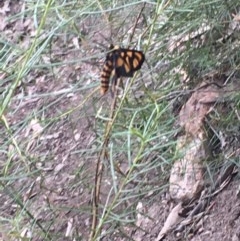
x: 126, y: 62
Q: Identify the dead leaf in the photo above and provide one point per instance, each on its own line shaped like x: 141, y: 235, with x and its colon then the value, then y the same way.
x: 172, y: 219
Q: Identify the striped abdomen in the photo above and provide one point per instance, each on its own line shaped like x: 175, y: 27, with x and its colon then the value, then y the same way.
x: 105, y: 76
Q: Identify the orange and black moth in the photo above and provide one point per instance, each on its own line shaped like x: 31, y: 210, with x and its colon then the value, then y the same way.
x: 120, y: 62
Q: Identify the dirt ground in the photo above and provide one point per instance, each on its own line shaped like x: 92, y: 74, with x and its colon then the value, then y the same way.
x: 60, y: 153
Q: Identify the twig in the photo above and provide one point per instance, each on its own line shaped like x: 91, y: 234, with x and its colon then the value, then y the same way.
x: 99, y: 169
x: 135, y: 25
x: 103, y: 154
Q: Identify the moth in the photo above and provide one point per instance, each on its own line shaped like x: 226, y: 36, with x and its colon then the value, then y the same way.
x: 120, y: 62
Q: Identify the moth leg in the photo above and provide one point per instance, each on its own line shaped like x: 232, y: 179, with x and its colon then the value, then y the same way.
x: 114, y: 83
x: 119, y: 87
x: 120, y: 84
